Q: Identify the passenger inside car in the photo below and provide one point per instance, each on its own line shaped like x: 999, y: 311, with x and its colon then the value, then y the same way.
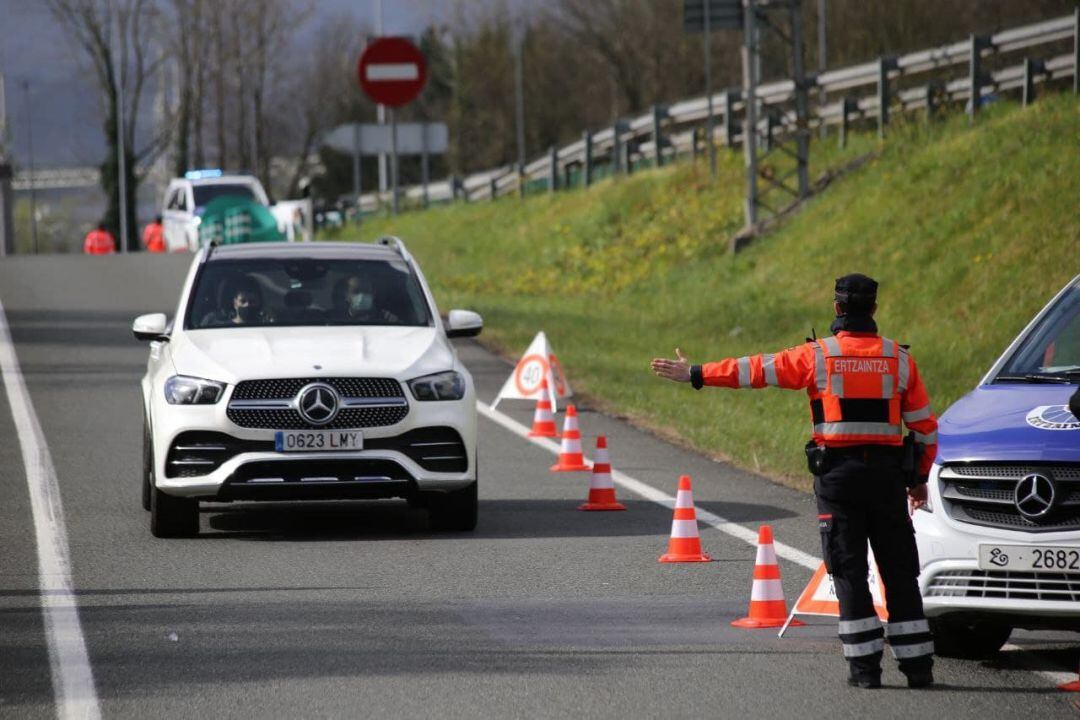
x: 356, y: 299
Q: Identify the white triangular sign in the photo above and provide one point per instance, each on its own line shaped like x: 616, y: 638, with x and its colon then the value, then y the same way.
x: 819, y: 595
x: 537, y: 363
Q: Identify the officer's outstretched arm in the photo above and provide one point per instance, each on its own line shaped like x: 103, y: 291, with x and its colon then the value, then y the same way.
x: 792, y: 369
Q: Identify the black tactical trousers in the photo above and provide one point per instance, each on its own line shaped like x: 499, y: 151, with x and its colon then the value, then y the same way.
x: 861, y: 500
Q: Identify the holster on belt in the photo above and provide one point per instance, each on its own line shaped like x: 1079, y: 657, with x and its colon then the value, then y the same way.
x: 817, y: 458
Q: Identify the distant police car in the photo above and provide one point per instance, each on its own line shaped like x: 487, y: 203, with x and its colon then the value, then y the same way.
x: 1000, y: 540
x: 307, y: 371
x: 187, y: 196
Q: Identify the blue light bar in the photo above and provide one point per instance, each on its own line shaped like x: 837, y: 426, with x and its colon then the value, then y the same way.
x: 202, y: 174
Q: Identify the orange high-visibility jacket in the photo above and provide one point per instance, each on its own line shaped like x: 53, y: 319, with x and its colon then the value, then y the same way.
x: 860, y: 384
x: 153, y: 237
x: 99, y: 242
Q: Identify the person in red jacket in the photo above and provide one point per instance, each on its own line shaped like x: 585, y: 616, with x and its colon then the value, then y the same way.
x: 153, y: 236
x: 861, y: 387
x: 99, y: 241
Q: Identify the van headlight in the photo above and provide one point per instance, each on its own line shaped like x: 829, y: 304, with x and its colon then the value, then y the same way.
x: 449, y: 385
x: 185, y: 390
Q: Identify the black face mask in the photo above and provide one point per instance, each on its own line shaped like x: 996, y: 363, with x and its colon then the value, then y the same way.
x: 247, y: 313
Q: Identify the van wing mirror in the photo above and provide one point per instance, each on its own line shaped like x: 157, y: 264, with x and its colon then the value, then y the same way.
x: 463, y: 323
x: 150, y: 327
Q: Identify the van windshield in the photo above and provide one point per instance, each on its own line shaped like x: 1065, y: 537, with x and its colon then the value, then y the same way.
x: 205, y: 193
x: 295, y: 292
x: 1052, y: 348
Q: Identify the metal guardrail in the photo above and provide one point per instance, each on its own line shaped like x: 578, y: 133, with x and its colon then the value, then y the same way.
x: 678, y: 126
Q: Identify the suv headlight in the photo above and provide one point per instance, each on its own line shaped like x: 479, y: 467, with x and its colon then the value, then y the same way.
x: 449, y: 385
x: 184, y: 390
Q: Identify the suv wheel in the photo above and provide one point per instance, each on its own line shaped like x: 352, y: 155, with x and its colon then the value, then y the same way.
x: 456, y: 510
x: 969, y: 640
x: 173, y: 516
x: 147, y: 465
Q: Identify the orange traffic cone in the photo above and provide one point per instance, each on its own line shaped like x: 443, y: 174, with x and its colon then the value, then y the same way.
x: 1071, y: 686
x: 543, y: 419
x: 601, y: 489
x: 570, y: 457
x: 685, y: 543
x: 767, y: 606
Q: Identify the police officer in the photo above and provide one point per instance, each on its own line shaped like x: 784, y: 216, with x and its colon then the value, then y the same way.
x: 861, y: 386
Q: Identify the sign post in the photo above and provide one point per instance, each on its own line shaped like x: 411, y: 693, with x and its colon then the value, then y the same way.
x: 392, y: 72
x: 704, y: 16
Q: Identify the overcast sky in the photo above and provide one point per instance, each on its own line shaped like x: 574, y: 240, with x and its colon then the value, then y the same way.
x: 63, y: 102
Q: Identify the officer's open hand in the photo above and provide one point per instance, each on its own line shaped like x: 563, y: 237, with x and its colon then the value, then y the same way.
x: 677, y: 370
x: 917, y: 497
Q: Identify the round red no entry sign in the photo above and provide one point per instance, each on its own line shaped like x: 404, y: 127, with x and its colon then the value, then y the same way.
x: 392, y: 71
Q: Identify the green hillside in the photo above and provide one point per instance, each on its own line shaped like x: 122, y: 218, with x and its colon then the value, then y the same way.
x: 969, y: 230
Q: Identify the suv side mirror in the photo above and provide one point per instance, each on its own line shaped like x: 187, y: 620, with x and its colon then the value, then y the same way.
x: 150, y: 327
x: 463, y: 323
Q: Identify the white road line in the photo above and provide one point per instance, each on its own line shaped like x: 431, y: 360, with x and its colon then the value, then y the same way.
x: 724, y: 525
x: 661, y: 498
x: 72, y: 679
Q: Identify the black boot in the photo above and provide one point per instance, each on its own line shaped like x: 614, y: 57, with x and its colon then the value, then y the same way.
x: 865, y: 681
x: 920, y: 679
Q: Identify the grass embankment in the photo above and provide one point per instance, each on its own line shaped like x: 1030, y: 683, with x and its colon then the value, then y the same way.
x: 969, y: 230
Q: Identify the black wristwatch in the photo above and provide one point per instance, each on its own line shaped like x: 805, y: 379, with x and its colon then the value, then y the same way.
x: 695, y: 377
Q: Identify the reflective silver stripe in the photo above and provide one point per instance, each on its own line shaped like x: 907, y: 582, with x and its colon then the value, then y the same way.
x: 908, y: 627
x: 744, y: 371
x: 922, y: 413
x: 856, y: 428
x: 836, y: 384
x: 886, y: 386
x: 832, y: 346
x: 888, y: 348
x: 905, y: 370
x: 867, y: 648
x: 819, y: 368
x: 909, y: 651
x: 768, y: 364
x: 849, y: 627
x: 927, y: 439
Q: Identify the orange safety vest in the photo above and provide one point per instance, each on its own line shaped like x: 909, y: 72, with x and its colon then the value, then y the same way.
x: 154, y: 237
x: 99, y: 242
x: 861, y: 388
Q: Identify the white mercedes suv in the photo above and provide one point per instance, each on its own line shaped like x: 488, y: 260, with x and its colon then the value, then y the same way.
x: 307, y: 371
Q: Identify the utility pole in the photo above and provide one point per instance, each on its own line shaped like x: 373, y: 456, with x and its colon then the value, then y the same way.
x: 708, y: 93
x: 30, y: 157
x: 519, y: 102
x: 822, y: 54
x: 121, y: 154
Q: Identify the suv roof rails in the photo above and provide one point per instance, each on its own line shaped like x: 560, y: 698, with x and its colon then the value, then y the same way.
x: 395, y: 244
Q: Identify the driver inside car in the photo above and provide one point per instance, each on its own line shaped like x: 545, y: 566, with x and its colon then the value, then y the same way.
x: 243, y: 307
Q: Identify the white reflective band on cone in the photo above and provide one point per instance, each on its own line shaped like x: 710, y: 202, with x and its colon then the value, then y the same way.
x: 684, y: 529
x: 916, y: 415
x: 866, y: 648
x: 684, y: 499
x: 744, y: 372
x: 908, y: 627
x: 850, y: 627
x: 602, y: 481
x: 767, y: 590
x: 766, y: 554
x: 902, y: 652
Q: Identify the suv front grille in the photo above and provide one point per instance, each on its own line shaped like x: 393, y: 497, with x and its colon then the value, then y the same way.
x: 984, y: 494
x: 287, y: 418
x: 1005, y: 585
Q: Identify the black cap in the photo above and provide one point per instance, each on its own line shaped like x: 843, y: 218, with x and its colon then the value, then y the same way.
x: 856, y: 291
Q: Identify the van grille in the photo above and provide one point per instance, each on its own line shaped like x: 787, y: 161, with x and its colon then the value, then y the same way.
x: 1005, y: 585
x: 985, y: 494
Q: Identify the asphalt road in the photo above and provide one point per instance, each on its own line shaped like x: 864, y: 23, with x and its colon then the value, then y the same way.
x: 357, y: 610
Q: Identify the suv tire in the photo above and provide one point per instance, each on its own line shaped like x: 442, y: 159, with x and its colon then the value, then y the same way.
x: 147, y: 464
x: 173, y: 516
x: 456, y: 510
x: 967, y: 639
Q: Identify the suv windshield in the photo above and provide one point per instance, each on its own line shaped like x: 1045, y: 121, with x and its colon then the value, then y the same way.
x: 287, y: 291
x: 205, y: 193
x: 1052, y: 349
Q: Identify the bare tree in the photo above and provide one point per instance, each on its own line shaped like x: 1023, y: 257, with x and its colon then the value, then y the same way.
x: 118, y: 34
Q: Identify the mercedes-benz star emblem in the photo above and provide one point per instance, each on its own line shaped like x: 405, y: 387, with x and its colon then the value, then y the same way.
x: 318, y: 403
x: 1035, y: 495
